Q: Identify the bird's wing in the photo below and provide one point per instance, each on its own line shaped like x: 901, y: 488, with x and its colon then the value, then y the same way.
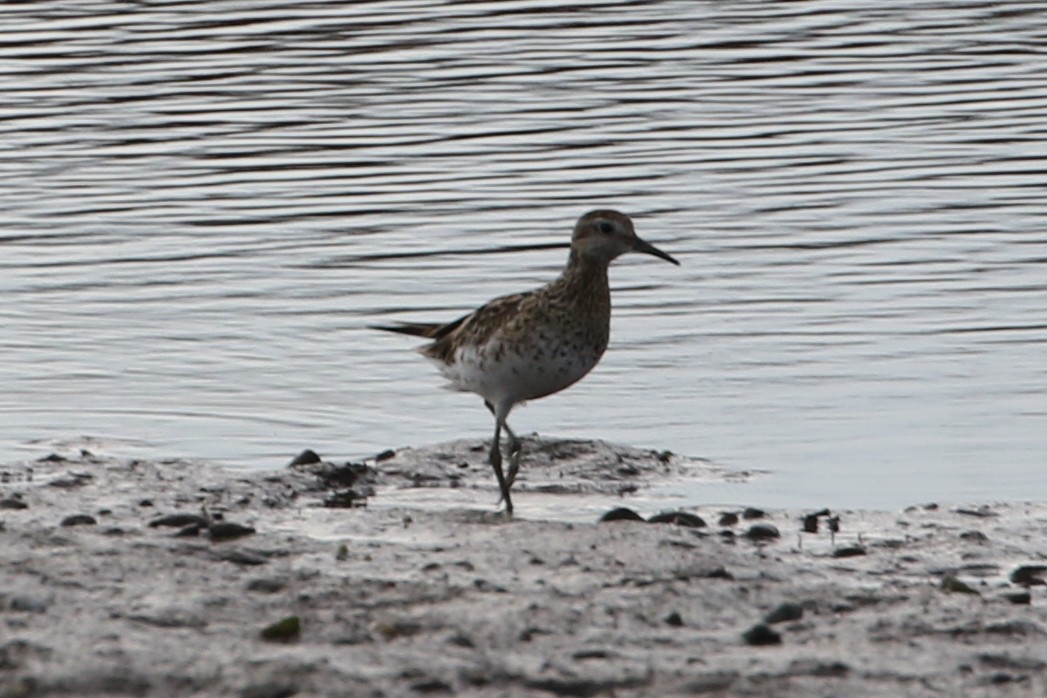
x: 476, y: 328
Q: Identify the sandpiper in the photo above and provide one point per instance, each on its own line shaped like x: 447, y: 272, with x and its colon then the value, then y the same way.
x: 528, y: 345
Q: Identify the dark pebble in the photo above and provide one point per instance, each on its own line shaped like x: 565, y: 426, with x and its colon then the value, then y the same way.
x: 762, y: 531
x: 52, y: 458
x: 674, y: 619
x: 189, y: 531
x: 728, y: 519
x: 1029, y: 575
x: 13, y: 503
x: 974, y: 536
x: 145, y: 502
x: 431, y: 686
x: 384, y: 455
x: 269, y: 690
x: 286, y: 630
x: 980, y: 512
x: 834, y: 524
x: 680, y: 518
x: 1019, y: 598
x: 621, y: 514
x: 267, y: 585
x: 227, y: 530
x: 79, y: 520
x: 784, y: 613
x: 954, y: 585
x: 242, y: 557
x: 849, y: 551
x: 306, y: 457
x: 179, y: 520
x: 751, y: 513
x: 761, y: 635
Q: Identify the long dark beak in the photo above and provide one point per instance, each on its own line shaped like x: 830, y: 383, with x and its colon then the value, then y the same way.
x: 647, y: 248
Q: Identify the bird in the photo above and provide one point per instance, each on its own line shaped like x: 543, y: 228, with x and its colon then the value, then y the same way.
x: 529, y: 345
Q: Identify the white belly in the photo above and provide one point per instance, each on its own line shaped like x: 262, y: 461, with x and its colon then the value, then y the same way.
x: 499, y: 373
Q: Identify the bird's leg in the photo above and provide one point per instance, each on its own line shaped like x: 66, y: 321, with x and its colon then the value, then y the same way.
x: 514, y: 466
x: 514, y: 442
x: 496, y: 458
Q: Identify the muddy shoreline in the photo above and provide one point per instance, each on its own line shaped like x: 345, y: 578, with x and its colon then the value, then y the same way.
x: 126, y: 577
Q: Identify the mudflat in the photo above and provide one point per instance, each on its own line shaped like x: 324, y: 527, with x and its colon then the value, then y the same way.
x: 124, y: 577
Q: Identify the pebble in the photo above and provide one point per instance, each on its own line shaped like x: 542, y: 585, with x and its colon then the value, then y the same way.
x: 621, y: 514
x: 680, y: 518
x: 783, y: 613
x: 761, y: 635
x: 762, y: 531
x: 79, y: 520
x: 227, y: 530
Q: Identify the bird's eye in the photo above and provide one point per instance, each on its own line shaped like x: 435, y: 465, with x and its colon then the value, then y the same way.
x: 605, y: 228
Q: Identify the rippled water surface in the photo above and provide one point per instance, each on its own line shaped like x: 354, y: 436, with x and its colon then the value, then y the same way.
x: 204, y: 205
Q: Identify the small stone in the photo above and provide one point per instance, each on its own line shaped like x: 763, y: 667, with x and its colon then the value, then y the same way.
x: 306, y: 457
x: 954, y: 585
x: 286, y: 630
x: 783, y: 613
x: 267, y: 585
x: 834, y: 524
x: 674, y: 619
x: 179, y: 521
x: 13, y: 502
x: 751, y: 513
x: 762, y: 531
x: 974, y: 537
x: 227, y: 530
x: 1029, y: 575
x: 79, y: 520
x: 728, y: 519
x: 680, y: 518
x: 850, y: 551
x: 190, y: 531
x: 242, y: 557
x: 810, y: 523
x: 621, y: 514
x: 385, y: 455
x: 1019, y: 598
x: 342, y: 554
x: 761, y: 635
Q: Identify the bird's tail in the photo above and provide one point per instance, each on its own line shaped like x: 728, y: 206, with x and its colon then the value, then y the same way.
x: 415, y: 329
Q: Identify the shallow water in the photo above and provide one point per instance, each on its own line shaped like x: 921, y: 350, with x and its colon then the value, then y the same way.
x: 205, y: 204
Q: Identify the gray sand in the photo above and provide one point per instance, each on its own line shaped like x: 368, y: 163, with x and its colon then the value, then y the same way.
x: 392, y: 600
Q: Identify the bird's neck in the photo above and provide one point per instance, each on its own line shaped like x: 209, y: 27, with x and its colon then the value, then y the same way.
x: 586, y: 277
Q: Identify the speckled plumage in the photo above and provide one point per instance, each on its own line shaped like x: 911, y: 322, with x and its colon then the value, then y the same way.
x: 528, y: 345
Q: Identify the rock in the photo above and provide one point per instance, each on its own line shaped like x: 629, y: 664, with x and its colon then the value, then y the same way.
x: 621, y: 514
x: 762, y: 532
x: 783, y: 613
x: 306, y: 457
x: 761, y: 635
x: 1018, y: 598
x: 974, y: 537
x: 954, y: 585
x: 850, y: 551
x: 287, y: 629
x: 1029, y: 575
x: 179, y: 521
x: 13, y: 502
x: 674, y: 619
x: 79, y: 520
x: 680, y: 518
x: 728, y: 519
x: 227, y: 530
x: 752, y: 513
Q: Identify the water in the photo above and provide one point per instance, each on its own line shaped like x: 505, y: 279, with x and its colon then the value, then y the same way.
x: 204, y: 205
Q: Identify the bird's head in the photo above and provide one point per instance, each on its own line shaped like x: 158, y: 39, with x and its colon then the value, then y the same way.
x: 603, y: 235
